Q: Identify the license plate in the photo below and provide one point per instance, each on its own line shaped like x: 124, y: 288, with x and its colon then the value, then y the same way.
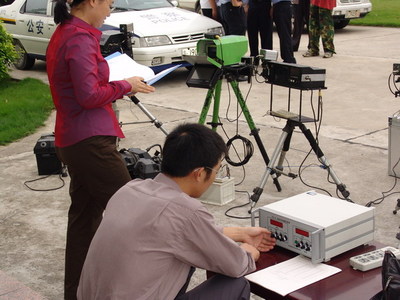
x: 189, y: 51
x: 352, y: 14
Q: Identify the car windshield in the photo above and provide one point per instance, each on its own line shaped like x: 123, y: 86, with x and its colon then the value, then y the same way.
x: 126, y: 5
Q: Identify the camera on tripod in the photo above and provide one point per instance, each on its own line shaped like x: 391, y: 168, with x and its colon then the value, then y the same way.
x: 217, y: 56
x: 113, y: 40
x: 222, y: 51
x: 140, y: 163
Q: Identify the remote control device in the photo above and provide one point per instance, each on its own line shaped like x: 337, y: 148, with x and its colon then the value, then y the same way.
x: 372, y: 259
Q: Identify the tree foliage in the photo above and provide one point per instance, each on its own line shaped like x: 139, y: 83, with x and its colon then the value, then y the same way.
x: 7, y: 52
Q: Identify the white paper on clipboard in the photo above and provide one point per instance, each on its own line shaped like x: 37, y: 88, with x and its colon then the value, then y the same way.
x: 122, y: 66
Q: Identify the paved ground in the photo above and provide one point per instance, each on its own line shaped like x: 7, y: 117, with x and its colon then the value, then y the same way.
x: 353, y: 136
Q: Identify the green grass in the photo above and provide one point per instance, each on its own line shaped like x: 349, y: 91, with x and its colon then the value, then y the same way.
x: 24, y: 106
x: 385, y: 13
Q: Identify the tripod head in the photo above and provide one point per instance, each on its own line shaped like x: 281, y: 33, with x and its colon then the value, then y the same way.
x: 113, y: 40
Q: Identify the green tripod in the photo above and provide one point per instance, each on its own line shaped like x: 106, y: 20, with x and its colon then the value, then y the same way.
x: 232, y: 74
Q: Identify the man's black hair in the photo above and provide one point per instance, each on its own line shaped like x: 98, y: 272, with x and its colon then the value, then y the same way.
x: 190, y: 146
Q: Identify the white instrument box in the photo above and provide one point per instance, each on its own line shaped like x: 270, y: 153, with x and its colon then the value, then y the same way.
x: 318, y: 226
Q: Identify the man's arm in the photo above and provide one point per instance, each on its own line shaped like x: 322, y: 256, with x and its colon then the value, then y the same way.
x: 214, y: 9
x: 202, y: 244
x: 236, y: 3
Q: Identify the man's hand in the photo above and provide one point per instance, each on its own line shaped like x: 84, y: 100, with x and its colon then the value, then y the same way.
x: 250, y: 249
x: 258, y: 237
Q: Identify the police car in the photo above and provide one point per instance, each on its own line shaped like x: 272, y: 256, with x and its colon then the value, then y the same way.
x: 162, y: 33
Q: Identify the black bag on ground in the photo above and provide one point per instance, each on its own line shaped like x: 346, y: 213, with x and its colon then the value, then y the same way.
x: 390, y: 278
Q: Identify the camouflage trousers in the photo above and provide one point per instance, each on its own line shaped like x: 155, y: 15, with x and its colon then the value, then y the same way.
x: 321, y: 25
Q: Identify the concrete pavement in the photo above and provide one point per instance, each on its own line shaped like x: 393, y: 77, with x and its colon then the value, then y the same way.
x: 353, y: 136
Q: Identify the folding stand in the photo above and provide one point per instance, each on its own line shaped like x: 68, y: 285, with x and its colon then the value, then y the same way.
x: 232, y: 74
x: 153, y: 120
x: 284, y: 143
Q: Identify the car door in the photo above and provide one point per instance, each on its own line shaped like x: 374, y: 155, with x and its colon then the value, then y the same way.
x: 35, y: 25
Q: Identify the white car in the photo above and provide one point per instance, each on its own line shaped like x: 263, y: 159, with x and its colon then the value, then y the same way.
x: 162, y: 33
x: 344, y: 11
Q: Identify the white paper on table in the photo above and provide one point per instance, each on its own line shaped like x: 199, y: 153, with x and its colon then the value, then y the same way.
x: 291, y: 275
x: 122, y: 66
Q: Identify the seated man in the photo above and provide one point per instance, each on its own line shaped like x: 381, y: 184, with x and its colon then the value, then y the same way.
x: 154, y: 232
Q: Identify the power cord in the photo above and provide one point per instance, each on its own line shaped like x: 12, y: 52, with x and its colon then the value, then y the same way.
x: 237, y: 154
x: 248, y: 150
x: 317, y: 125
x: 239, y: 206
x: 237, y: 103
x: 393, y: 82
x: 385, y: 194
x: 301, y: 170
x: 61, y: 174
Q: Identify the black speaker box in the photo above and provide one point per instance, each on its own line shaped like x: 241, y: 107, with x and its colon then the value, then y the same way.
x: 46, y: 158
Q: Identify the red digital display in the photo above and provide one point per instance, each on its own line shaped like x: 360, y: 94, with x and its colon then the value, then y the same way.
x: 276, y: 223
x: 302, y: 232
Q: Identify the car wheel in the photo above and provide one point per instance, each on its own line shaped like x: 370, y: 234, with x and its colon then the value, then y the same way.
x: 341, y: 24
x: 24, y: 61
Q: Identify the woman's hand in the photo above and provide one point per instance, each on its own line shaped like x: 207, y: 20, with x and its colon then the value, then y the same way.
x: 139, y: 86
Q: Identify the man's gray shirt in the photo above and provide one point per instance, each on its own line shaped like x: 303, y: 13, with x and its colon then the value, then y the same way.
x: 151, y: 234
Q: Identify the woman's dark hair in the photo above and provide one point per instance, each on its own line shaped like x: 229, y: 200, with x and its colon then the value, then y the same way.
x: 190, y: 146
x: 61, y: 11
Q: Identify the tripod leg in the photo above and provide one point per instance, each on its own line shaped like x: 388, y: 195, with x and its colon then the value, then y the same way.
x: 317, y: 150
x: 206, y: 107
x: 207, y: 103
x: 397, y: 207
x: 285, y: 149
x: 258, y: 190
x: 254, y: 131
x: 156, y: 122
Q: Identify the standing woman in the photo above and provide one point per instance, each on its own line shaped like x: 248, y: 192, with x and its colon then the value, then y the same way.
x: 86, y: 127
